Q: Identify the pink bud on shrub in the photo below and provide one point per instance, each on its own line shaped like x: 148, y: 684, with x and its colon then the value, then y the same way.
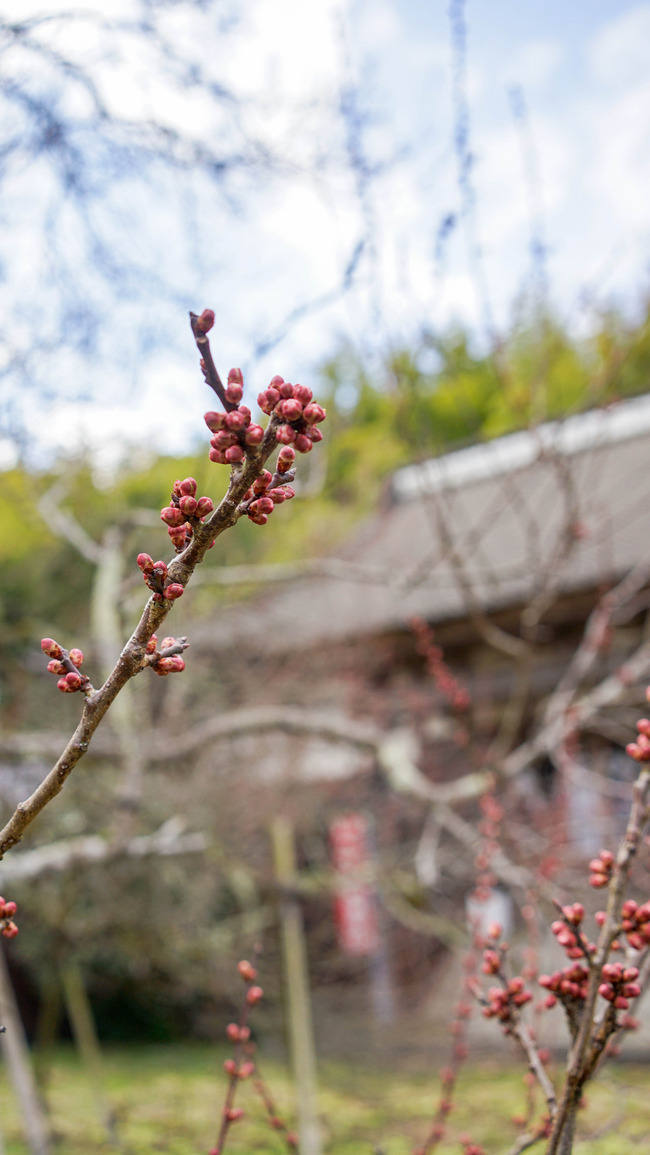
x: 290, y: 410
x: 314, y: 413
x: 144, y: 562
x: 236, y: 376
x: 152, y: 644
x: 73, y: 680
x: 303, y: 394
x: 234, y: 393
x: 232, y: 1032
x: 254, y: 995
x: 261, y: 483
x: 10, y: 909
x: 11, y: 930
x: 313, y: 433
x: 63, y: 686
x: 262, y: 505
x: 223, y: 440
x: 204, y: 506
x: 246, y: 1069
x: 172, y: 515
x: 286, y: 435
x: 258, y: 518
x: 246, y: 970
x: 76, y: 657
x: 51, y: 648
x: 205, y: 321
x: 233, y: 1114
x: 234, y: 455
x: 285, y: 390
x: 303, y: 443
x: 173, y: 591
x: 188, y: 486
x: 267, y: 400
x: 230, y: 1067
x: 235, y: 421
x: 159, y: 569
x: 286, y: 458
x: 55, y: 667
x: 217, y: 457
x: 254, y: 435
x: 187, y: 506
x: 214, y: 420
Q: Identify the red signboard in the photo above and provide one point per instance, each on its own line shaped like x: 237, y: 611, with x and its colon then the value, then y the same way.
x: 355, y: 910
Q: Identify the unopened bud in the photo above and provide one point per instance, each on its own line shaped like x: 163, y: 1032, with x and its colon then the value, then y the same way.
x: 76, y: 657
x: 286, y: 435
x: 205, y: 321
x: 234, y: 393
x: 144, y: 562
x: 55, y: 667
x: 172, y: 516
x: 214, y: 420
x: 73, y: 680
x: 247, y: 970
x: 204, y: 506
x: 254, y: 435
x: 253, y: 995
x: 173, y: 591
x: 187, y: 506
x: 314, y: 413
x: 303, y: 394
x: 51, y: 648
x: 290, y: 410
x: 188, y: 487
x: 234, y: 455
x: 303, y: 443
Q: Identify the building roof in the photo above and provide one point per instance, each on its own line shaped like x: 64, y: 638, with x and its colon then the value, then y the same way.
x: 562, y: 508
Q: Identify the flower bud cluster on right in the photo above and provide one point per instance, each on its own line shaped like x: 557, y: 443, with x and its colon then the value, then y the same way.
x: 300, y: 415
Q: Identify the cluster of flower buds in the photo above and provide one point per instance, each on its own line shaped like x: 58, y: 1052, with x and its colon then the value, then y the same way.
x: 640, y: 750
x: 270, y: 489
x: 469, y: 1146
x: 167, y: 659
x: 233, y: 432
x: 184, y: 512
x: 64, y: 664
x: 568, y: 934
x: 300, y: 415
x: 601, y: 869
x: 156, y: 577
x: 619, y: 985
x: 502, y: 1001
x: 568, y: 985
x: 7, y: 911
x: 636, y: 923
x: 446, y: 682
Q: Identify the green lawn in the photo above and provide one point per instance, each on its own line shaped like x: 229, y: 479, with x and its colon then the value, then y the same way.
x: 167, y: 1099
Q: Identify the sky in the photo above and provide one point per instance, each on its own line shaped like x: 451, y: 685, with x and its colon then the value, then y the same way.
x: 268, y: 254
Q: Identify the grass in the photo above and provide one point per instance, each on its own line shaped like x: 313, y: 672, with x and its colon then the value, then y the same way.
x: 167, y: 1099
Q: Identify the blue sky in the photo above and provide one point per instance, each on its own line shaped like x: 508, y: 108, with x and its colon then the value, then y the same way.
x: 584, y: 71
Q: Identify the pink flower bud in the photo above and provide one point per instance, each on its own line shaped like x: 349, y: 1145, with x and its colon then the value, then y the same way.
x: 233, y: 1114
x: 76, y: 657
x: 205, y: 321
x: 303, y: 443
x: 258, y: 518
x: 11, y: 930
x: 285, y: 434
x: 621, y: 1003
x: 277, y: 381
x: 55, y: 667
x: 230, y: 1067
x: 51, y: 648
x: 261, y: 505
x: 73, y: 680
x: 63, y: 686
x: 10, y: 909
x: 267, y: 400
x: 214, y: 420
x: 204, y: 506
x: 232, y: 1032
x: 188, y: 505
x: 172, y: 515
x: 246, y: 1069
x: 217, y: 457
x: 235, y: 421
x: 234, y: 393
x: 159, y: 569
x: 152, y: 644
x: 173, y: 591
x: 314, y: 413
x: 313, y: 433
x: 290, y: 410
x: 144, y: 562
x: 303, y: 394
x: 164, y: 666
x: 254, y: 995
x: 261, y: 484
x: 234, y: 455
x: 285, y: 390
x: 246, y: 970
x: 167, y: 642
x: 223, y: 440
x: 254, y: 435
x: 188, y: 487
x: 237, y: 376
x: 286, y: 458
